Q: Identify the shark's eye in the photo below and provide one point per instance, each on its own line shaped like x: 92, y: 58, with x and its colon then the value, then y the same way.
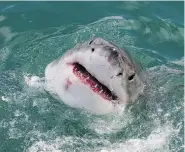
x: 131, y: 77
x: 92, y: 49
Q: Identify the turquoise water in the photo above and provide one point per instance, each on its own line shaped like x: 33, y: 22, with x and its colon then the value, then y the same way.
x: 32, y: 34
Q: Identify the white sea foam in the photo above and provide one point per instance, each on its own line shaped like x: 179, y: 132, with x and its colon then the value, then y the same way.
x: 107, y: 18
x: 44, y: 147
x: 4, y: 52
x: 8, y: 7
x: 7, y: 33
x: 15, y: 133
x: 115, y: 122
x: 34, y: 82
x: 2, y: 18
x: 3, y: 98
x: 157, y: 140
x: 57, y: 144
x: 179, y: 62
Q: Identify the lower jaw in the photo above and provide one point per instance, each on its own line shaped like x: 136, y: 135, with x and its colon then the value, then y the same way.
x: 94, y: 89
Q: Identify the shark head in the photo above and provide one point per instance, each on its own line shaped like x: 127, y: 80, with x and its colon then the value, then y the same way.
x: 95, y: 75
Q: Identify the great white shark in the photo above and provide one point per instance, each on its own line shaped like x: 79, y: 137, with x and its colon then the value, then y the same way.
x: 95, y: 75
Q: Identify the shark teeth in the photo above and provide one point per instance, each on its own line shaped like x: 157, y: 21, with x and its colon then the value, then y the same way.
x: 96, y: 86
x: 100, y: 91
x: 86, y: 78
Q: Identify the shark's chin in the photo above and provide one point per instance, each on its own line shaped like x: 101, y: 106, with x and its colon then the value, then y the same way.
x: 87, y: 100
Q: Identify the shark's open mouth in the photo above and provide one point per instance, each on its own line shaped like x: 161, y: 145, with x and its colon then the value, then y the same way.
x: 97, y: 87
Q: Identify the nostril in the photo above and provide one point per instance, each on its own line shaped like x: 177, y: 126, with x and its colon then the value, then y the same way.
x: 91, y: 42
x: 92, y: 49
x: 131, y: 77
x: 120, y: 74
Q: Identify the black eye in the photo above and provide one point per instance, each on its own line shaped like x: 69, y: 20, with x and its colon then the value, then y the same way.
x: 92, y: 49
x: 120, y: 74
x: 131, y: 77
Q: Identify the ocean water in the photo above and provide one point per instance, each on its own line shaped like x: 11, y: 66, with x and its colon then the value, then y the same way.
x: 32, y: 34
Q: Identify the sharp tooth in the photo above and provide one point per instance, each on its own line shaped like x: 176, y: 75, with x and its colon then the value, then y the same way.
x: 87, y: 78
x: 100, y: 91
x: 96, y: 86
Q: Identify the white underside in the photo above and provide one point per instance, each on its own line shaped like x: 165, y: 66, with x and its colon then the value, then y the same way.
x: 80, y: 96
